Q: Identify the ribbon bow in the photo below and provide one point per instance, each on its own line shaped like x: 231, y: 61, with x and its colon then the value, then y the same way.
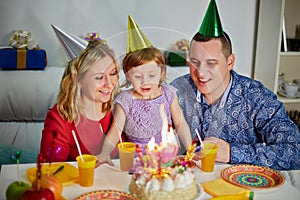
x: 93, y: 36
x: 22, y: 39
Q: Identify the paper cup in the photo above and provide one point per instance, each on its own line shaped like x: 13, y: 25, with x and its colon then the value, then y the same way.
x: 86, y: 169
x: 126, y: 154
x: 208, y: 157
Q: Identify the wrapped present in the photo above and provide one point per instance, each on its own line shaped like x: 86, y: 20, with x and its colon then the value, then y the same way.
x: 11, y: 58
x: 177, y: 58
x: 178, y: 55
x: 23, y: 53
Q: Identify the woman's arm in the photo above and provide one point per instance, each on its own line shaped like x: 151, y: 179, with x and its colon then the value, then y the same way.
x: 113, y: 136
x: 55, y: 138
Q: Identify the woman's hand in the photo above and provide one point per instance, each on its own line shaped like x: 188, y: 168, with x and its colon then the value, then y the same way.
x: 103, y: 158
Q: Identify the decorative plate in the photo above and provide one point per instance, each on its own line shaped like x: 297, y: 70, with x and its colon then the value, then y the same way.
x: 252, y: 176
x: 106, y: 194
x: 68, y: 174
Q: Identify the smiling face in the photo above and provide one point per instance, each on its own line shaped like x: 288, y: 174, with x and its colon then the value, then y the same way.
x: 145, y: 80
x: 99, y: 81
x: 209, y: 68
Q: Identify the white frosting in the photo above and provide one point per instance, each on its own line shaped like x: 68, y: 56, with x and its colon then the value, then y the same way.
x: 168, y: 184
x: 152, y: 185
x: 141, y: 180
x: 175, y: 171
x: 184, y: 179
x: 180, y: 181
x: 189, y: 177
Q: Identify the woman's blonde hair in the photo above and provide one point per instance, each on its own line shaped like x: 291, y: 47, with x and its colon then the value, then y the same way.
x: 143, y: 56
x: 69, y: 103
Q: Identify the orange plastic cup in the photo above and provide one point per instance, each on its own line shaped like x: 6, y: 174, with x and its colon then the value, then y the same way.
x: 86, y: 169
x: 208, y: 157
x: 126, y: 154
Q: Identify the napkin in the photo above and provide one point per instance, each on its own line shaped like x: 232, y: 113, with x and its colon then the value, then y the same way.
x: 220, y: 187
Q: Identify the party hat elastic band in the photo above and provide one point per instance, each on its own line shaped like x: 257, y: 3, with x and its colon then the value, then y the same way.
x: 211, y: 25
x: 136, y: 39
x: 72, y: 45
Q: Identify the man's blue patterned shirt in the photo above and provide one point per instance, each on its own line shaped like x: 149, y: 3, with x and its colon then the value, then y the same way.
x: 249, y: 117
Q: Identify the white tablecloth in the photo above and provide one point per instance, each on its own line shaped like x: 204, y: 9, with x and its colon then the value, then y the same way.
x: 107, y: 177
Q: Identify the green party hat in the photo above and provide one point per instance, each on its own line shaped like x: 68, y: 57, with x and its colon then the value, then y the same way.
x: 136, y: 39
x: 211, y: 25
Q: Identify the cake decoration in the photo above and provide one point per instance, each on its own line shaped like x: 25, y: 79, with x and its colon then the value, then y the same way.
x: 159, y: 173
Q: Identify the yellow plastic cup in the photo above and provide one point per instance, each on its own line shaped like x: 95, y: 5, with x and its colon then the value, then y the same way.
x: 86, y: 169
x: 208, y: 157
x: 126, y: 154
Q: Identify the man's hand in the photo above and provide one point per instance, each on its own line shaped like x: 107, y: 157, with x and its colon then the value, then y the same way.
x: 223, y: 154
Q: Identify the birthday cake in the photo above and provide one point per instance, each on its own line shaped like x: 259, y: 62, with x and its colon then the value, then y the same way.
x: 161, y: 174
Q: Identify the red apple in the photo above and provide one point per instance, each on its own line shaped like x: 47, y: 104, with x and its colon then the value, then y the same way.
x: 42, y: 194
x: 15, y: 190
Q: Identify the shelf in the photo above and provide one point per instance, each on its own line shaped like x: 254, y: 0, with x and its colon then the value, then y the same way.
x: 290, y: 53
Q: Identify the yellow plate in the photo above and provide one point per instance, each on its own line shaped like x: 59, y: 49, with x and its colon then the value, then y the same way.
x: 67, y: 175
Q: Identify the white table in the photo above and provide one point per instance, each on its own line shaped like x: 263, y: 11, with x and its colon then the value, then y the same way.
x: 107, y: 177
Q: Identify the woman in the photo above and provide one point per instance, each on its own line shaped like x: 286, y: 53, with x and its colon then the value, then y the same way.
x: 84, y: 105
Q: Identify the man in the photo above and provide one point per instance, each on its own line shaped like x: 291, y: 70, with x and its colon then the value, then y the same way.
x: 239, y: 114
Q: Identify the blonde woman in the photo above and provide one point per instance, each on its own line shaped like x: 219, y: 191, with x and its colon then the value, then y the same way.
x: 84, y: 105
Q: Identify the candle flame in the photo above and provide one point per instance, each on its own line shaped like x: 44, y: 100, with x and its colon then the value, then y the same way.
x: 171, y: 136
x: 165, y: 125
x: 151, y: 144
x: 167, y: 137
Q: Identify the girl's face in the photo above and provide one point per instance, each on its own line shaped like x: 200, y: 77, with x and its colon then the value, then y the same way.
x: 99, y: 81
x: 145, y: 80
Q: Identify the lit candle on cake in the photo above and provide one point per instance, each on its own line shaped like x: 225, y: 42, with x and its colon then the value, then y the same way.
x: 169, y: 142
x: 168, y: 148
x: 153, y: 151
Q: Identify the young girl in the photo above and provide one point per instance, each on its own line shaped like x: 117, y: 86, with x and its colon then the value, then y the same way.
x: 137, y: 110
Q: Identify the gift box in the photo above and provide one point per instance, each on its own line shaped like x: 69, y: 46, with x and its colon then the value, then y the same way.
x: 12, y: 59
x: 176, y: 58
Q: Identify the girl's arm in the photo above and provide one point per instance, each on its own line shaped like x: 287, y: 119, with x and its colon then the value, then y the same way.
x: 113, y: 136
x: 180, y: 124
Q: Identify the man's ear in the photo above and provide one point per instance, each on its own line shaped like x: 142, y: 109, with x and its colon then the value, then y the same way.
x: 230, y: 61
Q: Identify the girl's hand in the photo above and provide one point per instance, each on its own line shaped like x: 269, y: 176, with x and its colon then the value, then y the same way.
x: 103, y: 158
